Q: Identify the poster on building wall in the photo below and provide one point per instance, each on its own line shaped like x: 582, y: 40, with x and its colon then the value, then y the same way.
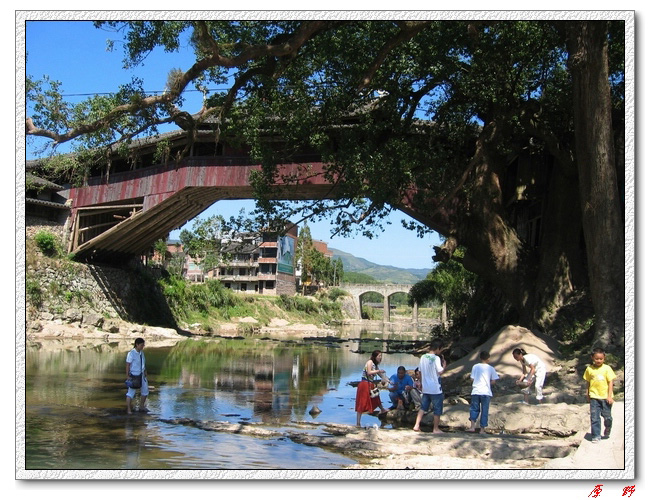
x: 286, y: 248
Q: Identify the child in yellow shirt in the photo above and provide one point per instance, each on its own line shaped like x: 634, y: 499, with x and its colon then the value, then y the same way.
x: 600, y: 393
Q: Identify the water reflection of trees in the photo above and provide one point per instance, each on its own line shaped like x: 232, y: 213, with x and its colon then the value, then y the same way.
x: 71, y: 374
x: 279, y: 379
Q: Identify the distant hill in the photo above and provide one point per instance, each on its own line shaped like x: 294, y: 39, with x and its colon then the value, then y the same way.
x: 387, y: 274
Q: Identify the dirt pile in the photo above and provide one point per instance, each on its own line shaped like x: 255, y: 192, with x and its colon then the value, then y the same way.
x: 500, y: 347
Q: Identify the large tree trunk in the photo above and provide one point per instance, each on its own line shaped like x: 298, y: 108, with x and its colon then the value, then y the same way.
x: 494, y: 249
x: 601, y: 209
x: 562, y: 267
x: 536, y: 281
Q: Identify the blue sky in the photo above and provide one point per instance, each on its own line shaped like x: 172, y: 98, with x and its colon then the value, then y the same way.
x: 74, y: 53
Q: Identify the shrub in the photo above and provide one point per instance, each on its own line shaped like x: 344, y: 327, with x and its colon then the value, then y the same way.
x: 47, y: 243
x: 34, y: 293
x: 298, y: 304
x: 185, y: 299
x: 371, y: 313
x: 335, y: 293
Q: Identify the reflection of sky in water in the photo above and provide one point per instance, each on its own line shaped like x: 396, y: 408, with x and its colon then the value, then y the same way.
x: 263, y: 382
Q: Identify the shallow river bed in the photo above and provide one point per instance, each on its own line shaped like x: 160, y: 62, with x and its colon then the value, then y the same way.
x: 75, y: 414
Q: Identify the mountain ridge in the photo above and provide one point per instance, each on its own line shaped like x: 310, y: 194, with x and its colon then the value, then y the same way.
x: 388, y: 274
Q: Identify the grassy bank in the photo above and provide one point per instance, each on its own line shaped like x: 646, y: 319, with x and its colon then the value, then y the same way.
x: 210, y: 303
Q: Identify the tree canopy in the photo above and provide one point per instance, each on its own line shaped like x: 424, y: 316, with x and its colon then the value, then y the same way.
x: 469, y: 126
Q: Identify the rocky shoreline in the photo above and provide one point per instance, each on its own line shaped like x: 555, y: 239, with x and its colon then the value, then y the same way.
x: 117, y: 330
x: 537, y: 443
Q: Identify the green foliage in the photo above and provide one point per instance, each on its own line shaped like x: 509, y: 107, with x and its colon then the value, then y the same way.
x: 77, y: 295
x: 299, y: 304
x: 160, y: 249
x: 317, y: 269
x: 423, y: 291
x: 371, y: 313
x: 163, y: 149
x: 34, y: 292
x: 203, y: 243
x: 574, y: 332
x: 334, y: 293
x: 176, y: 262
x: 211, y: 302
x: 451, y: 283
x: 304, y: 245
x: 185, y: 298
x: 47, y: 243
x: 374, y: 297
x: 325, y: 310
x: 55, y: 288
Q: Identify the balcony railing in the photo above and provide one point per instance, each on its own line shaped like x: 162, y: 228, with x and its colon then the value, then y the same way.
x: 237, y: 278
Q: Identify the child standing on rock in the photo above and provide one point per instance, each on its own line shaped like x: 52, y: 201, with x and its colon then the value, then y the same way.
x: 483, y: 375
x: 600, y: 393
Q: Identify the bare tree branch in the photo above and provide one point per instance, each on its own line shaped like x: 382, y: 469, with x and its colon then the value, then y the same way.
x: 290, y: 46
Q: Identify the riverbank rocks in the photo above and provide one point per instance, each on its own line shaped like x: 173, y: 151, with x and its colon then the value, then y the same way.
x: 80, y: 293
x: 397, y: 448
x: 110, y: 330
x: 92, y: 319
x: 73, y: 315
x: 111, y: 325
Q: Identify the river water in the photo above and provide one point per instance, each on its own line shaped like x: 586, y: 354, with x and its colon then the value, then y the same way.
x: 75, y: 414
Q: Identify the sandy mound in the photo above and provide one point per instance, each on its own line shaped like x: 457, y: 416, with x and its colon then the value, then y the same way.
x: 500, y: 347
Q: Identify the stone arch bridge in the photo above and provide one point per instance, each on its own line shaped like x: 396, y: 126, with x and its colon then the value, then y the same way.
x: 385, y: 290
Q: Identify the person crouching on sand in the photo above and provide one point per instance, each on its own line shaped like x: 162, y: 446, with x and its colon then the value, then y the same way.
x: 536, y: 373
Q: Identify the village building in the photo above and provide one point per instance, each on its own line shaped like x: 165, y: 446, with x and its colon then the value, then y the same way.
x: 250, y: 263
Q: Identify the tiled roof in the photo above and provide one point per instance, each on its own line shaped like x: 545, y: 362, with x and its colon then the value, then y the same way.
x: 39, y: 181
x: 45, y: 203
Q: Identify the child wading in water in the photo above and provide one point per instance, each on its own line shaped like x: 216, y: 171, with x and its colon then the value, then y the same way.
x: 600, y: 393
x: 483, y: 376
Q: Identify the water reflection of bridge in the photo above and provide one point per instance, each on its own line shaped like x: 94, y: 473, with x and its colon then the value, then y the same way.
x: 385, y: 290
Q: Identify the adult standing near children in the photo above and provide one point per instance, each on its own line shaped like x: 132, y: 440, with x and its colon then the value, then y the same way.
x: 136, y: 370
x: 431, y: 367
x: 365, y: 402
x: 483, y: 378
x: 534, y: 370
x: 600, y: 393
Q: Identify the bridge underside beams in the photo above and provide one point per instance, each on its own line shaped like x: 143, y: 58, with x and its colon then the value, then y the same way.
x: 170, y: 196
x: 135, y: 235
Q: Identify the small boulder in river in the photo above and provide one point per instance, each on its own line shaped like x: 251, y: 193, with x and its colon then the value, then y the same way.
x: 315, y: 410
